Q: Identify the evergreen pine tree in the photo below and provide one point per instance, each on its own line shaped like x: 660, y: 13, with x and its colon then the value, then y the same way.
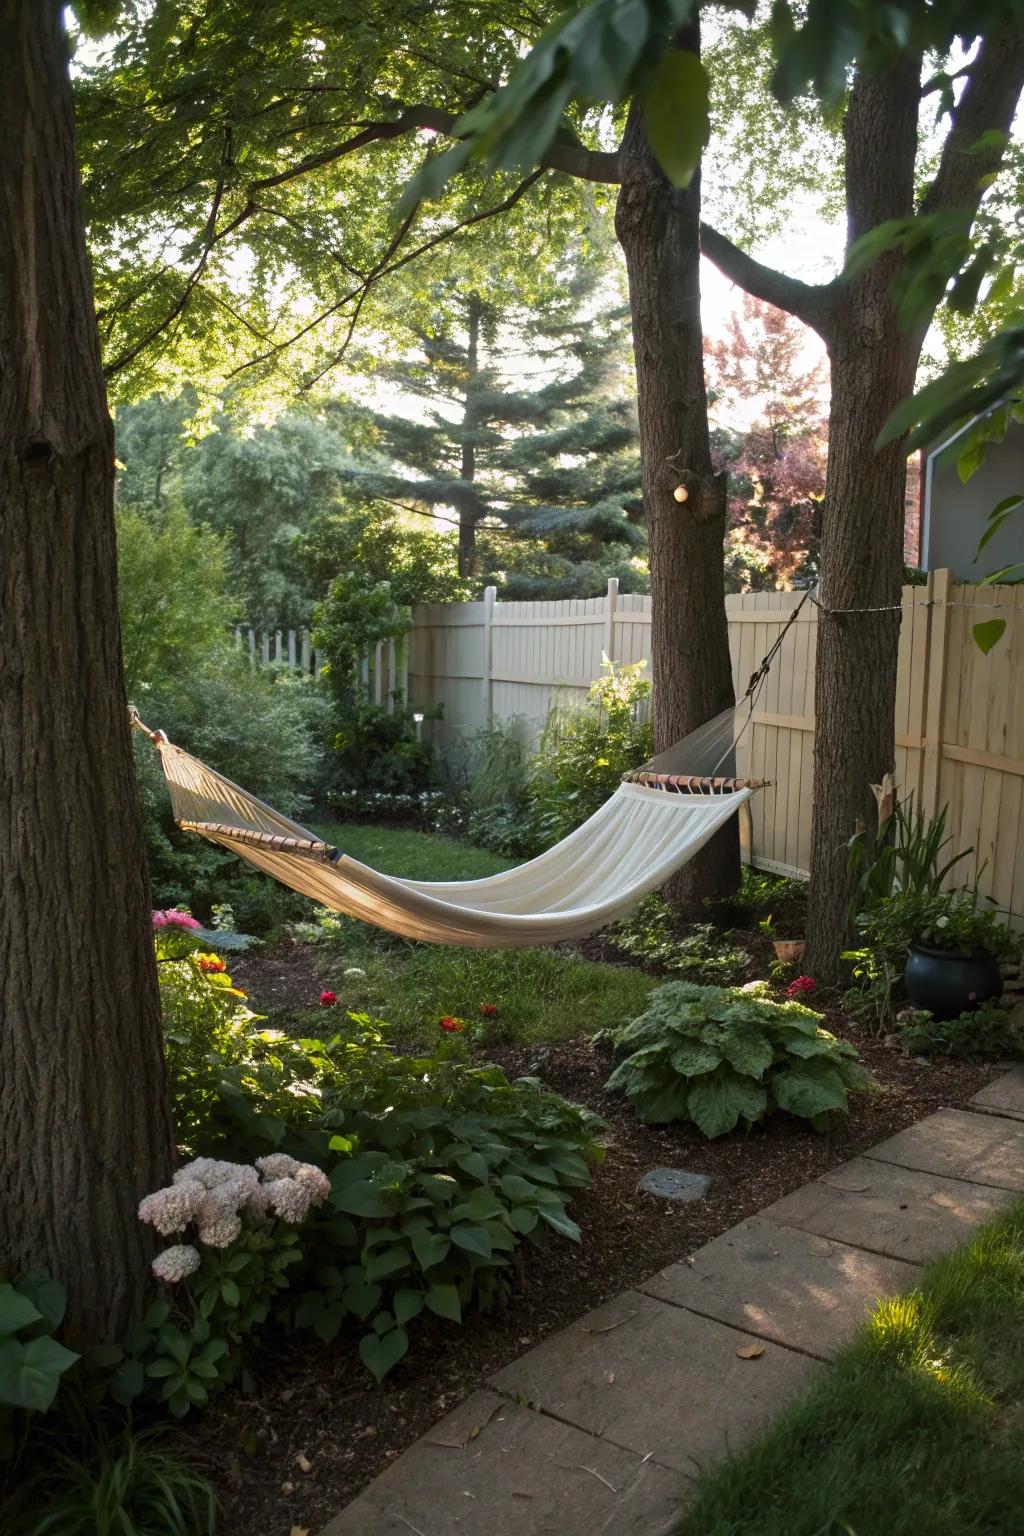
x: 526, y: 431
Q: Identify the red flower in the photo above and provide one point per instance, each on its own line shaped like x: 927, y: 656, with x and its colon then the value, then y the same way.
x: 212, y: 963
x: 802, y: 986
x: 327, y: 999
x: 451, y: 1025
x: 488, y: 1010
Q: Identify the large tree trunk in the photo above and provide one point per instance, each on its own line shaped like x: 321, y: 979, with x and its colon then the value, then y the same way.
x: 659, y: 230
x: 84, y: 1118
x: 873, y: 365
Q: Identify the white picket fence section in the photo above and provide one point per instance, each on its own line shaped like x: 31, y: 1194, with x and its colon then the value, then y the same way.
x: 384, y: 670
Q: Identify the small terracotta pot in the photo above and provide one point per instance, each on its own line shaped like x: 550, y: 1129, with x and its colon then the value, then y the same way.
x: 789, y: 951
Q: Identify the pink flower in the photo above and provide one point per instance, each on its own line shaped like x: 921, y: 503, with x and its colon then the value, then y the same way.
x: 802, y: 986
x: 452, y: 1025
x: 327, y: 999
x: 172, y: 918
x: 972, y: 997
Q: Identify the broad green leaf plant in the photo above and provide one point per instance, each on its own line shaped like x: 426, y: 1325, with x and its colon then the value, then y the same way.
x: 724, y: 1057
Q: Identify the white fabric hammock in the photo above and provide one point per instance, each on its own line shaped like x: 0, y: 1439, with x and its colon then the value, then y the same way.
x: 629, y: 847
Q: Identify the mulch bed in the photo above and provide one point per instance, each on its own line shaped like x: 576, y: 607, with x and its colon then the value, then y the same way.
x: 312, y: 1430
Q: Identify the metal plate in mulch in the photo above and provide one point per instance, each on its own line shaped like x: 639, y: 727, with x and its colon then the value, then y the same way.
x: 676, y: 1184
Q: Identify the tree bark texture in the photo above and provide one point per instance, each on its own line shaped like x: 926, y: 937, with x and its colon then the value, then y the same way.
x: 659, y: 229
x: 873, y: 365
x: 84, y: 1118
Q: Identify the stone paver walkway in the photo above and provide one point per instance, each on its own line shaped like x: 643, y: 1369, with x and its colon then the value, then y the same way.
x: 602, y: 1429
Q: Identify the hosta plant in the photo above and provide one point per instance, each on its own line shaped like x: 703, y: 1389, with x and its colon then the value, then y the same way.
x: 431, y: 1199
x: 728, y: 1056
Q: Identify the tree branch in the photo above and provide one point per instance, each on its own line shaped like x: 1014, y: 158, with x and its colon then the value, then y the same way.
x: 810, y: 302
x: 989, y: 101
x: 380, y: 270
x: 573, y: 159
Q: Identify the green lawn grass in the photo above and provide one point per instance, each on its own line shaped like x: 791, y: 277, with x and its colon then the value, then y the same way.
x: 916, y: 1430
x: 416, y: 855
x: 541, y: 994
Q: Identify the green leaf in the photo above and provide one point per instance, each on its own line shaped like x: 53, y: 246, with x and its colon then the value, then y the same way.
x: 808, y: 1095
x: 430, y: 1248
x: 380, y: 1353
x: 30, y: 1371
x: 362, y: 1199
x: 127, y: 1382
x: 407, y: 1304
x: 387, y: 1263
x: 715, y: 1105
x: 516, y: 1187
x: 692, y: 1058
x: 677, y: 115
x: 16, y: 1311
x: 45, y: 1293
x: 473, y: 1164
x: 360, y: 1297
x: 556, y: 1217
x: 988, y: 634
x: 472, y: 1239
x: 444, y: 1300
x: 230, y: 1294
x: 748, y: 1052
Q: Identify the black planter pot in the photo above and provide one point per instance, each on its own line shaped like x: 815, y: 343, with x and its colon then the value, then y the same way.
x: 949, y: 983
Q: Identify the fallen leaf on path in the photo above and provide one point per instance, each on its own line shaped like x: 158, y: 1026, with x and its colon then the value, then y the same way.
x: 751, y: 1351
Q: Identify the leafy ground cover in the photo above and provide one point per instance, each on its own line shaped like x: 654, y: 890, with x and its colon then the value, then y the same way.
x: 918, y: 1427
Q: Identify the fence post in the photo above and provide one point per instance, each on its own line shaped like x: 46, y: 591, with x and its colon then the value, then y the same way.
x: 612, y: 601
x: 487, y: 691
x: 391, y: 676
x: 304, y: 651
x: 401, y: 686
x: 252, y: 646
x: 292, y: 654
x: 378, y: 673
x: 265, y: 649
x: 935, y: 678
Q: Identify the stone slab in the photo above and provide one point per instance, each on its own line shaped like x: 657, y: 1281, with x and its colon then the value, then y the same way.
x: 981, y: 1149
x: 495, y: 1468
x: 658, y: 1380
x: 890, y: 1210
x: 781, y: 1283
x: 676, y: 1184
x: 1004, y: 1096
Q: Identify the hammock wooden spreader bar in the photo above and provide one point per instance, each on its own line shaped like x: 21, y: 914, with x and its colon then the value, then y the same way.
x: 692, y: 784
x: 302, y: 847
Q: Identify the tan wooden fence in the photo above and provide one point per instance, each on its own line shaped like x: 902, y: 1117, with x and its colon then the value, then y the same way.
x: 959, y: 713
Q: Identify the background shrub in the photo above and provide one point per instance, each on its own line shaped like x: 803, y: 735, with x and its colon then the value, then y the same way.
x: 723, y: 1056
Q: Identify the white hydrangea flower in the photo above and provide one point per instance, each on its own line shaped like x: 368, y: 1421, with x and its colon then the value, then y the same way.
x: 278, y: 1165
x: 217, y: 1204
x: 176, y: 1263
x: 171, y: 1209
x: 220, y: 1233
x: 289, y: 1200
x: 315, y: 1180
x: 211, y: 1171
